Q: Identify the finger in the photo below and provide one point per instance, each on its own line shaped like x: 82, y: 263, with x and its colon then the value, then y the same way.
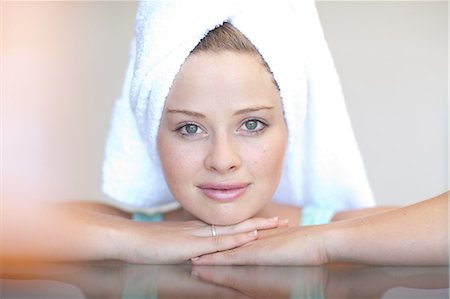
x: 226, y: 257
x: 224, y: 242
x: 283, y: 222
x: 249, y: 225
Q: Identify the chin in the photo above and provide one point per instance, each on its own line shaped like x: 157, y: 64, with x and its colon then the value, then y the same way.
x: 224, y: 219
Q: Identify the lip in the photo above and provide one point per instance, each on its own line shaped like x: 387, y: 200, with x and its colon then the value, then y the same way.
x: 225, y: 192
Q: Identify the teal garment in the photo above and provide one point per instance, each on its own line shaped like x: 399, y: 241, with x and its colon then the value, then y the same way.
x: 315, y: 215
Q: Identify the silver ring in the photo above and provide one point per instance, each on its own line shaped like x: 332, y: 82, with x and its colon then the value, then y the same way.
x: 213, y: 230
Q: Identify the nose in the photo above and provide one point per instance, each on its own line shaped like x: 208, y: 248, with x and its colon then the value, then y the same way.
x: 223, y: 156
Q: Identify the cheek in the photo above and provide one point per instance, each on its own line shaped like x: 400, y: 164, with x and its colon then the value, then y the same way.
x: 179, y: 162
x: 266, y: 159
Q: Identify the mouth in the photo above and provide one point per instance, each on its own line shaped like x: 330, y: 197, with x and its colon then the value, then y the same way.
x: 223, y: 192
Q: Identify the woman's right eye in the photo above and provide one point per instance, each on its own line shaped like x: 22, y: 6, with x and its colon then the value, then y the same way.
x: 190, y: 130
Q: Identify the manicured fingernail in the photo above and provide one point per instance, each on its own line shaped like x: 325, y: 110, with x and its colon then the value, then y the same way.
x: 274, y: 219
x: 253, y: 233
x: 195, y: 259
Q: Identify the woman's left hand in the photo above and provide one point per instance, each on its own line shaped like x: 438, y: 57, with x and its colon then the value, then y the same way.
x: 280, y: 246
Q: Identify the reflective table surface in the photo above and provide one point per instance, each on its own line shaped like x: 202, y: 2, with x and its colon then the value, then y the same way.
x: 116, y: 280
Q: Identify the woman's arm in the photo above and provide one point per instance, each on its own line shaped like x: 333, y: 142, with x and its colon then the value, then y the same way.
x: 413, y: 235
x: 357, y: 213
x: 80, y: 232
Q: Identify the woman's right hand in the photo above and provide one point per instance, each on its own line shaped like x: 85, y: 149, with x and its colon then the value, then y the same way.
x: 177, y: 242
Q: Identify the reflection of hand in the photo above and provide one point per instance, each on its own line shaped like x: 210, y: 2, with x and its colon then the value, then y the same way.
x: 265, y: 282
x: 175, y: 242
x: 281, y: 246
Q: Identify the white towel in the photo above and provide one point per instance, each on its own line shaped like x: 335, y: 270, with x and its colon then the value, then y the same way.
x: 323, y: 166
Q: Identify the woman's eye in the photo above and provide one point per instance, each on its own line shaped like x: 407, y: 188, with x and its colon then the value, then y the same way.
x: 253, y: 125
x: 190, y: 129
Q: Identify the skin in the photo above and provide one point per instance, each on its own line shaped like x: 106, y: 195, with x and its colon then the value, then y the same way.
x: 232, y: 106
x: 412, y: 235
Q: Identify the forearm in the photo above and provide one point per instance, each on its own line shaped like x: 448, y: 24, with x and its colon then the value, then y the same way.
x: 93, y: 206
x: 357, y: 213
x: 413, y: 235
x: 46, y: 232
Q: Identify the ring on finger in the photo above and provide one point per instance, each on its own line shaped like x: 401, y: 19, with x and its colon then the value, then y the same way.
x: 213, y: 230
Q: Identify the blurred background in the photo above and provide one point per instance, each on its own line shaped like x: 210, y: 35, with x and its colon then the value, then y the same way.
x: 62, y: 65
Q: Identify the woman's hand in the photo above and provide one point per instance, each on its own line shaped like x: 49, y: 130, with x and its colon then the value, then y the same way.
x: 281, y: 246
x: 265, y: 282
x: 176, y: 242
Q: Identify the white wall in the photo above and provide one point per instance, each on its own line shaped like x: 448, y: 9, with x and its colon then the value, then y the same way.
x: 63, y: 63
x: 392, y: 60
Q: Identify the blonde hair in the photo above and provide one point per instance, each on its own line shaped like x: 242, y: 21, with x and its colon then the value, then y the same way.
x: 228, y: 37
x: 225, y: 37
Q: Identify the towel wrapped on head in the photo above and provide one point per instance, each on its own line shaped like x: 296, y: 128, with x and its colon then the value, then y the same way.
x: 323, y: 166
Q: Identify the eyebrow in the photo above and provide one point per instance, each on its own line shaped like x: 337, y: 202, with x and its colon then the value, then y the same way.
x: 187, y: 112
x: 253, y: 109
x: 200, y: 115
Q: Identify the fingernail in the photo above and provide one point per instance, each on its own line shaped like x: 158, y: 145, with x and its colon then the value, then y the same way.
x: 274, y: 219
x: 285, y: 221
x: 252, y: 233
x: 195, y: 259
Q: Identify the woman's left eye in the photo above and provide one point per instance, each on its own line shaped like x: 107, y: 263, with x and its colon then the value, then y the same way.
x: 253, y: 125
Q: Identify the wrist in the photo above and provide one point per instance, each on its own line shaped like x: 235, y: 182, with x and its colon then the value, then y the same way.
x: 109, y: 237
x: 335, y: 241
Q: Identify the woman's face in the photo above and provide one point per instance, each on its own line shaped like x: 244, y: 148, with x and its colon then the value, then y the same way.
x: 222, y: 137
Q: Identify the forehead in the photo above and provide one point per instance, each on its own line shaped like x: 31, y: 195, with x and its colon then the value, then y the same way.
x: 227, y: 76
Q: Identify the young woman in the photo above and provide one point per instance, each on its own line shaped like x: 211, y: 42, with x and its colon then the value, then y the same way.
x: 249, y: 134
